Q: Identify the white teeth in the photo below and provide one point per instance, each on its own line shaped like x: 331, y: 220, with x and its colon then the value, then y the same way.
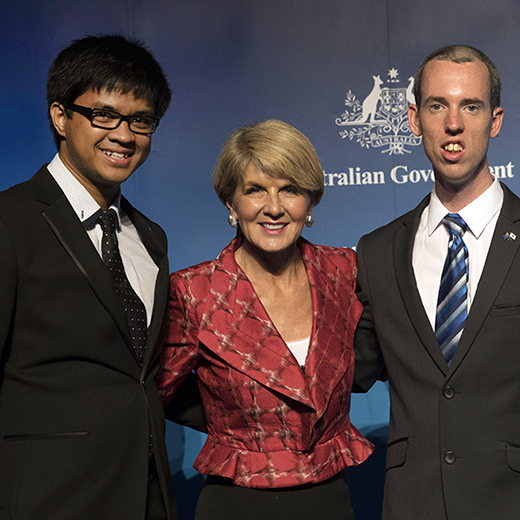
x: 453, y: 147
x: 273, y: 226
x: 117, y: 155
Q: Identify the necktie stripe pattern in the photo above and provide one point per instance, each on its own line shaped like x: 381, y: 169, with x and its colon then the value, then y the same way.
x: 452, y: 304
x: 134, y: 307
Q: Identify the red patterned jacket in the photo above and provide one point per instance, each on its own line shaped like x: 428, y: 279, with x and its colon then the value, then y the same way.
x: 270, y: 423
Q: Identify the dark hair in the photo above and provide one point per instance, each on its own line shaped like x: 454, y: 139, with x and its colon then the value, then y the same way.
x: 460, y: 54
x: 110, y: 62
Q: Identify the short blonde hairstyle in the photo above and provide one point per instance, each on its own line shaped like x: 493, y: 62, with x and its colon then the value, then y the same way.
x: 276, y: 149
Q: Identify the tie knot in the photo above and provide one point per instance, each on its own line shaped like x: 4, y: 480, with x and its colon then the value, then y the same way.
x: 107, y: 221
x: 455, y: 224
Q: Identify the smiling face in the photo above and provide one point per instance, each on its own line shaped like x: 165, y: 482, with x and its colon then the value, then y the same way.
x: 271, y: 212
x: 456, y: 123
x: 102, y: 159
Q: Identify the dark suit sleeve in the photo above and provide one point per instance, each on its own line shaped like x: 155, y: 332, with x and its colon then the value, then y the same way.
x: 186, y: 407
x: 8, y: 281
x: 369, y: 365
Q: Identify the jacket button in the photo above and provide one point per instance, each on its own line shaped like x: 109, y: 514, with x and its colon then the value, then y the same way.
x: 448, y: 392
x: 449, y: 457
x: 143, y: 383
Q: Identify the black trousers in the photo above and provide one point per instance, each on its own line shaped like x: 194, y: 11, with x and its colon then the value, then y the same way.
x: 220, y: 499
x: 155, y: 509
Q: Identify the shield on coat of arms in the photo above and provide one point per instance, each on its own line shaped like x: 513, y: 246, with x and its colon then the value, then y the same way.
x: 393, y: 102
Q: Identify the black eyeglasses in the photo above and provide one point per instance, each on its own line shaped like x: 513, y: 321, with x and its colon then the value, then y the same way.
x: 109, y: 120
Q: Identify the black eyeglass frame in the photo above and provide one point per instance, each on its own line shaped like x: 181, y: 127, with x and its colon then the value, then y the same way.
x: 89, y: 114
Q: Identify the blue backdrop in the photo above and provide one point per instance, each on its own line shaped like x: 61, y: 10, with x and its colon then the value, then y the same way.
x: 339, y: 70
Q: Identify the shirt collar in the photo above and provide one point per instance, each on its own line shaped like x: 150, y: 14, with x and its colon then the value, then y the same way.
x: 477, y: 214
x: 82, y: 202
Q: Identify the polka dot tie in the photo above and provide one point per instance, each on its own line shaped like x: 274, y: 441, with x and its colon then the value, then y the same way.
x: 134, y: 307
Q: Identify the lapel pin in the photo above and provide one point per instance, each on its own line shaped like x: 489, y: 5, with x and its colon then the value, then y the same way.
x: 509, y: 236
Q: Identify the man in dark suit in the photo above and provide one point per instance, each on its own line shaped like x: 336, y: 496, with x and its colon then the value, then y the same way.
x: 441, y: 315
x: 83, y: 289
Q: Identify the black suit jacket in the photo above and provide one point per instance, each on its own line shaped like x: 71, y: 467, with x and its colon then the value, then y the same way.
x: 454, y: 438
x: 76, y: 409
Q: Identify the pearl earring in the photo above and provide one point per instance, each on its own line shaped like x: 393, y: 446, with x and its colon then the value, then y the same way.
x: 233, y: 222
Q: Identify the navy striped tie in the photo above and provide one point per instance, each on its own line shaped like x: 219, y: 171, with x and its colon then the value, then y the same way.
x: 452, y: 305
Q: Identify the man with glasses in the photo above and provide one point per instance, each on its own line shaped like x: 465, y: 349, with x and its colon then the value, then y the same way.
x: 83, y: 288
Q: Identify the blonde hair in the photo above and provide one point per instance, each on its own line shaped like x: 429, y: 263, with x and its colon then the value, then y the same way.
x: 276, y: 149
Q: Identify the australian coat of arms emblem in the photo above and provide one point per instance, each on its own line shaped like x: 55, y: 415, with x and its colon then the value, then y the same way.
x: 381, y: 120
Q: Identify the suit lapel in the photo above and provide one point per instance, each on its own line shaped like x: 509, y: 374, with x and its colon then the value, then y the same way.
x: 150, y: 240
x: 236, y: 328
x: 403, y: 252
x: 158, y: 253
x: 498, y: 262
x: 328, y: 358
x: 71, y: 234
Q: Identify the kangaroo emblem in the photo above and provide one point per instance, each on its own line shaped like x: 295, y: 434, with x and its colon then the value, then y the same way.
x: 371, y: 101
x: 380, y: 120
x: 409, y: 91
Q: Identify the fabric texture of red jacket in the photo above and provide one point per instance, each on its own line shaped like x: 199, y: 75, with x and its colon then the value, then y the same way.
x: 271, y: 423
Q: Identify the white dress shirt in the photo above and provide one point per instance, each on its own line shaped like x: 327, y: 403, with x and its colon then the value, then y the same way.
x: 140, y: 269
x: 431, y: 244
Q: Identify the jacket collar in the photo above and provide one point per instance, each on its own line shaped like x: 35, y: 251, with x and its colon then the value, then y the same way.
x: 500, y: 257
x: 403, y: 253
x: 250, y: 343
x: 70, y: 232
